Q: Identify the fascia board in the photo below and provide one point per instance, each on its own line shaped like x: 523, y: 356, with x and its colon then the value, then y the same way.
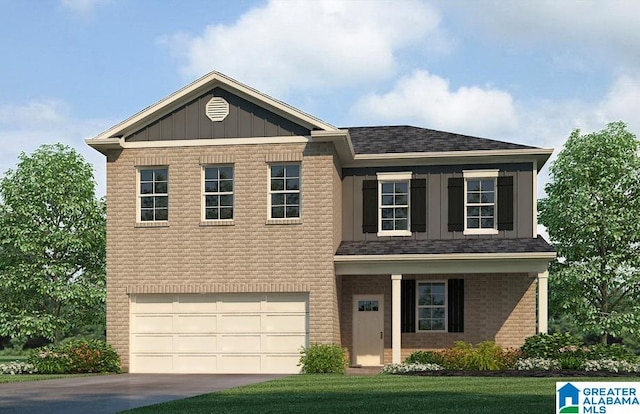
x: 176, y: 99
x: 340, y: 139
x: 538, y: 155
x: 444, y: 257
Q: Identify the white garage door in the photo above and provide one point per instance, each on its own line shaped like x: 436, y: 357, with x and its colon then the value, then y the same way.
x: 218, y: 333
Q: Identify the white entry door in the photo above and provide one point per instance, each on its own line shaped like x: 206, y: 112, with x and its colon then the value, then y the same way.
x: 368, y: 329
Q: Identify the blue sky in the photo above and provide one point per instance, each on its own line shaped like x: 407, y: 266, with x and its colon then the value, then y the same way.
x: 526, y: 71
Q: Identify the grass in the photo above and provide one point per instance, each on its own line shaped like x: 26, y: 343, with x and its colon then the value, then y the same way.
x: 383, y: 393
x: 4, y: 379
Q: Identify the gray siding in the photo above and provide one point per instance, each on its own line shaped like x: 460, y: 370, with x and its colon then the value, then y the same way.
x: 245, y: 120
x: 437, y: 201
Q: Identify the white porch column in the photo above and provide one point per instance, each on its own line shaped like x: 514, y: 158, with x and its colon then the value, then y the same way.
x: 396, y: 332
x: 543, y: 297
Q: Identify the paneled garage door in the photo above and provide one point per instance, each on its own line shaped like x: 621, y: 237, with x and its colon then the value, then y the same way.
x: 218, y: 333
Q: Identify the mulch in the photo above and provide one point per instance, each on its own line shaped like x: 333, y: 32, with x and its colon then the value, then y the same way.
x: 556, y: 373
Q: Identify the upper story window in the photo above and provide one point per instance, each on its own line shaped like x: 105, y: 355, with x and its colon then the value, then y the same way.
x: 432, y: 306
x: 393, y: 204
x: 218, y: 192
x: 480, y: 202
x: 153, y: 194
x: 284, y: 191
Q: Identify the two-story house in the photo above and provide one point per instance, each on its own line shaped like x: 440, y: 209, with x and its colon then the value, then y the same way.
x: 240, y: 229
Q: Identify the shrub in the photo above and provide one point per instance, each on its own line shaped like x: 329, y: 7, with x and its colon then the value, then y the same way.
x: 611, y: 366
x: 77, y: 356
x: 615, y: 352
x: 573, y: 357
x: 424, y: 357
x: 548, y: 346
x: 16, y: 368
x: 323, y: 359
x: 485, y: 356
x: 537, y: 364
x: 410, y: 367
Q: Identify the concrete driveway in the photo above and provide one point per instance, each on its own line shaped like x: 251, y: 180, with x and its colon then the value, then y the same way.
x: 113, y: 393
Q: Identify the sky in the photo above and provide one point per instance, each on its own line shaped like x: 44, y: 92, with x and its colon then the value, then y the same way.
x: 528, y: 72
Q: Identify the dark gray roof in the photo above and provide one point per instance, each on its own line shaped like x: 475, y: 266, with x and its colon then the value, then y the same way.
x: 409, y: 246
x: 399, y: 139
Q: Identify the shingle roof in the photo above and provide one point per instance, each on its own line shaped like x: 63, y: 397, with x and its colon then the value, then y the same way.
x: 400, y: 139
x: 404, y: 246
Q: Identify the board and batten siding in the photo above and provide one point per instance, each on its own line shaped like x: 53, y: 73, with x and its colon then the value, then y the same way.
x: 437, y: 203
x: 245, y: 119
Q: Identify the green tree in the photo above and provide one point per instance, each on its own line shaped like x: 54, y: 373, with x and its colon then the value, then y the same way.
x: 52, y: 246
x: 592, y: 214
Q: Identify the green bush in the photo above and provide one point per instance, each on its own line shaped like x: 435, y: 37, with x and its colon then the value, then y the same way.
x: 424, y: 357
x: 548, y: 346
x: 614, y: 352
x: 323, y: 359
x: 485, y: 356
x: 77, y: 356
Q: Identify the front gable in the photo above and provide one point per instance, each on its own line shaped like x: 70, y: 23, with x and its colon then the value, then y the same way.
x: 244, y: 119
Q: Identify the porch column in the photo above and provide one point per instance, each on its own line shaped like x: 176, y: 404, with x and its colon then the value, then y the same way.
x: 396, y: 332
x: 543, y: 297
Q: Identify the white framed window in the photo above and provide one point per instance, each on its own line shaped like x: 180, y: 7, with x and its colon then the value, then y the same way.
x: 431, y: 303
x: 153, y: 194
x: 480, y: 202
x: 217, y: 192
x: 394, y: 196
x: 284, y: 191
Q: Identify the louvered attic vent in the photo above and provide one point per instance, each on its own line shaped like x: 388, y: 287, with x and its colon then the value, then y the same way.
x: 217, y: 109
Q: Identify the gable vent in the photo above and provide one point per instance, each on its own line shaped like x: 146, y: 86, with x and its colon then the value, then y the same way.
x: 217, y: 109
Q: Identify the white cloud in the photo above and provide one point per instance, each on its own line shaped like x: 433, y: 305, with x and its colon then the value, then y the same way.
x: 306, y: 45
x: 83, y: 6
x: 425, y: 99
x: 25, y: 127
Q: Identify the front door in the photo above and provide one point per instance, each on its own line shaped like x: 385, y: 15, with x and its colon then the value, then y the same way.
x: 368, y: 329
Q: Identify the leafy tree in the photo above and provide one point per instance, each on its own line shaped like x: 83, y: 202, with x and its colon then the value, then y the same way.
x: 52, y: 245
x: 592, y: 213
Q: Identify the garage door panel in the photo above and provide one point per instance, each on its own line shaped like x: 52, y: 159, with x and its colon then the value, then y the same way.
x: 196, y: 343
x: 281, y: 364
x: 285, y: 323
x: 240, y: 343
x: 243, y: 364
x: 152, y: 364
x: 285, y: 343
x: 188, y: 364
x: 286, y: 303
x: 153, y: 343
x: 241, y: 303
x: 197, y: 304
x: 240, y: 323
x: 152, y: 324
x: 196, y: 323
x: 153, y: 303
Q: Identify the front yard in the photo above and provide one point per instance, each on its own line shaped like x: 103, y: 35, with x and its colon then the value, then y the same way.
x: 377, y: 394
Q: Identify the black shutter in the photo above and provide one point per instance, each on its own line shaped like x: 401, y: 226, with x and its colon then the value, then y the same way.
x: 456, y: 305
x: 370, y: 206
x: 456, y: 204
x: 408, y: 306
x: 505, y: 203
x: 418, y: 205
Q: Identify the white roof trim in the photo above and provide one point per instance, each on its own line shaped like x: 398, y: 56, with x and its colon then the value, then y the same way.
x: 171, y: 102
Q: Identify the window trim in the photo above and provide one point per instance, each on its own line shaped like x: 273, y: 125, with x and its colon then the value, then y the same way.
x: 204, y: 194
x: 480, y: 174
x: 444, y: 282
x: 139, y: 196
x: 387, y: 177
x: 271, y: 219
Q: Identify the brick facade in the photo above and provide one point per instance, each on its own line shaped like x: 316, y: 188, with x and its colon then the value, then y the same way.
x: 251, y: 255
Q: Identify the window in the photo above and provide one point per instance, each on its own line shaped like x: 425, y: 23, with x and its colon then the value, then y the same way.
x: 480, y: 202
x: 432, y: 306
x: 393, y: 204
x: 218, y: 193
x: 284, y: 191
x: 367, y: 306
x: 154, y: 194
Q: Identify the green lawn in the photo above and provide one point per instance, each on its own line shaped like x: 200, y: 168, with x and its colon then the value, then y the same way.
x: 37, y: 377
x: 310, y: 394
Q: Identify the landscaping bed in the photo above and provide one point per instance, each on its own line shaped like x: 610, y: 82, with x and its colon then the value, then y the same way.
x: 520, y: 373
